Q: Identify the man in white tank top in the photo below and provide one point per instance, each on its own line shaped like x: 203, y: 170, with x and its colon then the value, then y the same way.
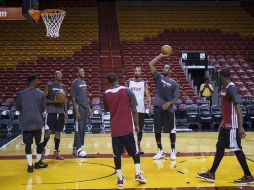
x: 140, y: 88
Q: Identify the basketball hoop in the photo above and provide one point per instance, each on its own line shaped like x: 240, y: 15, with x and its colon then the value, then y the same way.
x: 53, y: 19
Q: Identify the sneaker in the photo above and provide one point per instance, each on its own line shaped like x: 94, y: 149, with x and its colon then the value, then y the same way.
x: 30, y: 169
x: 40, y: 164
x: 159, y: 155
x: 245, y: 180
x: 120, y: 182
x: 208, y: 176
x: 139, y: 178
x: 57, y: 155
x: 140, y: 150
x: 81, y: 153
x: 173, y: 155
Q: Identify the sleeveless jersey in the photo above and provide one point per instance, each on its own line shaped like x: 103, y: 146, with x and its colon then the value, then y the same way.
x: 138, y: 88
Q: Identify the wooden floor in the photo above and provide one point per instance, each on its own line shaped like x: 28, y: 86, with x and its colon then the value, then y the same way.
x: 195, y: 154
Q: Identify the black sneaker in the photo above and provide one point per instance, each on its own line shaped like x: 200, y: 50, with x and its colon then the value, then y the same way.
x: 40, y: 164
x: 245, y: 180
x: 30, y: 169
x: 208, y: 176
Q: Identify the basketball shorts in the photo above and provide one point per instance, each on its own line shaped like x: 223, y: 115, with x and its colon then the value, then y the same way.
x: 229, y: 139
x: 28, y: 137
x: 164, y: 121
x: 129, y: 142
x: 54, y: 121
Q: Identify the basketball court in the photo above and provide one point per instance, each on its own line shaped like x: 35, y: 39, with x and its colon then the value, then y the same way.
x: 195, y: 154
x: 195, y: 150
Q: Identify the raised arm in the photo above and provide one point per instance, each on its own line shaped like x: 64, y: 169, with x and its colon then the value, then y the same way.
x: 155, y: 60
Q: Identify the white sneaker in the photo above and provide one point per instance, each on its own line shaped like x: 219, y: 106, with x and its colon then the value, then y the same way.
x: 81, y: 153
x: 173, y: 154
x: 159, y: 155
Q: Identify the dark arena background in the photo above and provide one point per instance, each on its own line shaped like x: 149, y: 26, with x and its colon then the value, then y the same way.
x: 117, y: 36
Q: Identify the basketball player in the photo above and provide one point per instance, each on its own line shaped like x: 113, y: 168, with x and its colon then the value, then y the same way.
x: 31, y: 103
x: 140, y: 88
x: 56, y: 113
x: 121, y: 103
x: 167, y: 93
x: 231, y: 130
x: 81, y: 109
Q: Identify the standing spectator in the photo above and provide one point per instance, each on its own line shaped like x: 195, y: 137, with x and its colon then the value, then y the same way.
x: 206, y: 90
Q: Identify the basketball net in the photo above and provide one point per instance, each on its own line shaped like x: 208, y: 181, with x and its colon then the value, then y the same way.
x: 53, y: 19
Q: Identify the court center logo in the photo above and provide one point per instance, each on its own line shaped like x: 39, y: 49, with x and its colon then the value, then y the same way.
x: 3, y: 14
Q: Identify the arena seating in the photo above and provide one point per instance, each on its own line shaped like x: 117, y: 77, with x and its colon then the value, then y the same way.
x: 25, y: 50
x: 144, y: 29
x: 136, y: 34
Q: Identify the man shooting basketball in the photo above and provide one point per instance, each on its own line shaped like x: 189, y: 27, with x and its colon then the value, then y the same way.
x: 167, y: 93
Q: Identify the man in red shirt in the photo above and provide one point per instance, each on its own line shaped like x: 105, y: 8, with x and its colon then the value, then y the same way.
x: 231, y: 130
x: 121, y: 103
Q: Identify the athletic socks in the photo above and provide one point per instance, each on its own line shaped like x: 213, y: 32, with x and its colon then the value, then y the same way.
x: 137, y: 168
x: 29, y: 158
x: 119, y: 174
x: 38, y: 158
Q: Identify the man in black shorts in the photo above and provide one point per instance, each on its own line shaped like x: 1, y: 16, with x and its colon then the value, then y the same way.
x: 31, y: 103
x: 167, y: 93
x: 121, y: 103
x: 56, y: 113
x: 231, y: 130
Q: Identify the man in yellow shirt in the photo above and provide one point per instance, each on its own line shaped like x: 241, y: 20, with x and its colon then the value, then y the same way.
x: 206, y: 90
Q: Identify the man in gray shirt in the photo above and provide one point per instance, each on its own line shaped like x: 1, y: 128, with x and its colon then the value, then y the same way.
x: 56, y: 113
x: 31, y: 103
x: 81, y: 109
x: 167, y: 93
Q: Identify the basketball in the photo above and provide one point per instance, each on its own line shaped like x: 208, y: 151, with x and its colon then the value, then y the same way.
x: 60, y: 96
x: 166, y: 50
x: 35, y: 14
